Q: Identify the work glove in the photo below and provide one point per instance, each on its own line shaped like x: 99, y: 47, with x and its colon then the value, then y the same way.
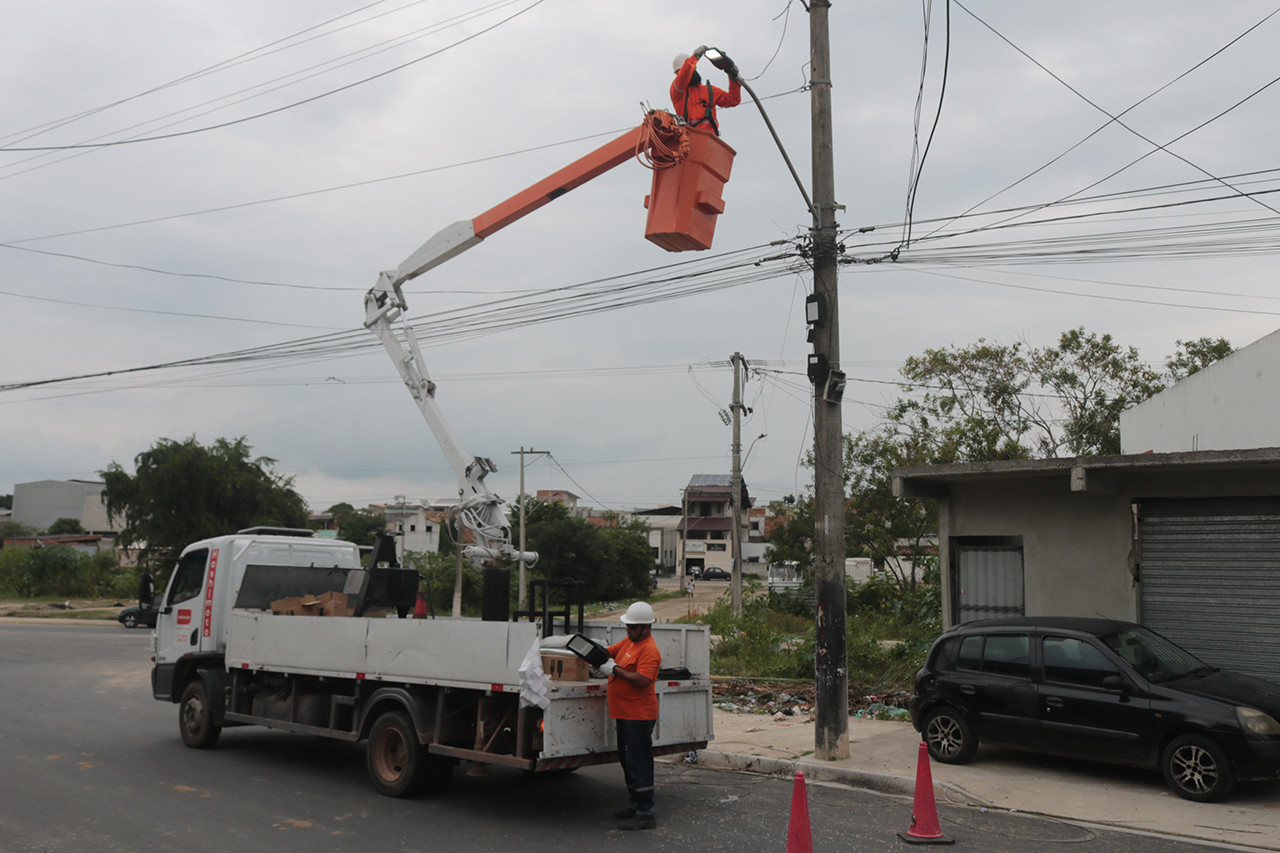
x: 733, y: 72
x: 699, y: 50
x: 607, y: 667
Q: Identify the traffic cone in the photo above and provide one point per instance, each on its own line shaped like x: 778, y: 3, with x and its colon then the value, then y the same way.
x: 924, y: 827
x: 420, y: 608
x: 799, y: 839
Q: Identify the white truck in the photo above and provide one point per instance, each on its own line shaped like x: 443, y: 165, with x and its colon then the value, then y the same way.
x: 425, y: 693
x: 428, y: 692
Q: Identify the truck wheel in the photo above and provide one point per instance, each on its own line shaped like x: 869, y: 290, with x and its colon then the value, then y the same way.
x: 397, y: 761
x: 195, y: 717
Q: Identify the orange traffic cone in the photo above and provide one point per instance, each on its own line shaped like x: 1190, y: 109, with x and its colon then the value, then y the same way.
x: 924, y: 827
x: 799, y: 839
x: 420, y: 608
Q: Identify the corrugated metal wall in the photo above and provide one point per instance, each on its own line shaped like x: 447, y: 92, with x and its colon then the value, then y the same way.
x: 988, y: 582
x: 1211, y: 579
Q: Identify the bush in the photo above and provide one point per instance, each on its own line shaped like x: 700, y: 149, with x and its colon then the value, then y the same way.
x: 61, y: 571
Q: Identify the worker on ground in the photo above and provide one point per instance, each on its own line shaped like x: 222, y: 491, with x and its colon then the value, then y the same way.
x: 633, y: 705
x: 695, y: 101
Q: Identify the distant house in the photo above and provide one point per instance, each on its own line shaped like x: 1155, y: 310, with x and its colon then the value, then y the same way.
x: 664, y: 536
x: 706, y: 526
x: 39, y: 504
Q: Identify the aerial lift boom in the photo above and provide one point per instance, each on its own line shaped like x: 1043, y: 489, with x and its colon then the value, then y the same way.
x: 690, y: 167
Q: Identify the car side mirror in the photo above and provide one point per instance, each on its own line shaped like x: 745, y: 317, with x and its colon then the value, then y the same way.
x: 1115, y: 684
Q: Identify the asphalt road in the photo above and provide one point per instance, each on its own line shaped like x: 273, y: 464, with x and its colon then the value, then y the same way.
x: 89, y: 762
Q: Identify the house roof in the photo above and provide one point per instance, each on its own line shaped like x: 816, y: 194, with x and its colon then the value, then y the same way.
x: 1085, y: 473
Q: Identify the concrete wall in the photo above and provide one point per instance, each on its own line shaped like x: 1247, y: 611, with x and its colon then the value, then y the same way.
x: 1230, y: 405
x: 1074, y: 546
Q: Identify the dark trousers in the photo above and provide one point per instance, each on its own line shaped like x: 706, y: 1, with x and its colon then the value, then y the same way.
x: 635, y: 752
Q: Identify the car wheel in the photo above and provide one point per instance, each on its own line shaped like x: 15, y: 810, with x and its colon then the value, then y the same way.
x: 948, y: 735
x: 1196, y: 768
x: 130, y: 620
x: 195, y: 717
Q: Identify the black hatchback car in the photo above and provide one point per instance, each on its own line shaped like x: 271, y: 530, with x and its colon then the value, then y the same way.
x: 1097, y: 689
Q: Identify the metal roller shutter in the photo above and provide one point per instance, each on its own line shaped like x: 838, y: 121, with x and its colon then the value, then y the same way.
x: 1211, y: 579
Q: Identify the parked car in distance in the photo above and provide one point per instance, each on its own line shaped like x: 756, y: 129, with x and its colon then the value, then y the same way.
x: 715, y: 574
x: 132, y: 617
x: 1097, y: 689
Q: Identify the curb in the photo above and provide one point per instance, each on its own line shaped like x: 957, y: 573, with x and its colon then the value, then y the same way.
x: 884, y: 783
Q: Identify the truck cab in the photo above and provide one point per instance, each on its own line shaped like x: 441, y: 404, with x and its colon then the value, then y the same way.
x: 191, y: 626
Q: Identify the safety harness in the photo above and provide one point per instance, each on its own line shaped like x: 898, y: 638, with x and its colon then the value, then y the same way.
x: 709, y: 117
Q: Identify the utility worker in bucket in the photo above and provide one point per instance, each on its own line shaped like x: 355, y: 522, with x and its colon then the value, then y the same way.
x: 696, y: 101
x: 633, y: 705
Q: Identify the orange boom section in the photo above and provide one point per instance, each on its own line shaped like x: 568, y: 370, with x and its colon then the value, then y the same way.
x: 690, y: 171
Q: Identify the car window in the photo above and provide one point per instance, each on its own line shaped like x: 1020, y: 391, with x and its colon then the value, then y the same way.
x: 1007, y: 654
x: 1153, y: 656
x: 188, y: 578
x: 1068, y: 660
x: 1001, y: 654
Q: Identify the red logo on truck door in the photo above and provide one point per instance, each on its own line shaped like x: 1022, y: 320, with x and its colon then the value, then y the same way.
x: 207, y: 628
x: 184, y: 617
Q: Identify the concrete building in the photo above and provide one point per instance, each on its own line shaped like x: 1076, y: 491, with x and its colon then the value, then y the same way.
x: 706, y: 523
x: 41, y: 503
x: 1186, y: 542
x: 1229, y: 405
x: 664, y: 536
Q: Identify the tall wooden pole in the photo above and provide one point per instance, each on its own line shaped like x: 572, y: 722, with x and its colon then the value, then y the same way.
x: 830, y: 658
x: 735, y: 492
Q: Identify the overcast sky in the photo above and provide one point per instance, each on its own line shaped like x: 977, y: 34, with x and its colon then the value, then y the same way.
x: 185, y: 179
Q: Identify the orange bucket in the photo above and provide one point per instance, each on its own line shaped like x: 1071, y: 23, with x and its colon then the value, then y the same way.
x: 686, y: 198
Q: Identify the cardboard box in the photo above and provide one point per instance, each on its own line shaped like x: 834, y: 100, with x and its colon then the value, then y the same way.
x: 328, y: 604
x: 298, y: 605
x: 564, y: 666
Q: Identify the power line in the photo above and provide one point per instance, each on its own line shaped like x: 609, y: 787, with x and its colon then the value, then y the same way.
x: 275, y: 110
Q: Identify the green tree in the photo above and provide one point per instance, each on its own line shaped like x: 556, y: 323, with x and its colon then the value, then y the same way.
x: 183, y: 491
x: 361, y: 526
x: 6, y: 501
x: 1094, y: 380
x: 1194, y: 356
x: 65, y: 526
x: 611, y: 563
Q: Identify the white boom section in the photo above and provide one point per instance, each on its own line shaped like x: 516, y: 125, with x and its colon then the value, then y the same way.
x: 384, y: 305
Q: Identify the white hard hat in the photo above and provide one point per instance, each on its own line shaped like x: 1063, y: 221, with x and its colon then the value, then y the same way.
x: 678, y: 61
x: 639, y: 613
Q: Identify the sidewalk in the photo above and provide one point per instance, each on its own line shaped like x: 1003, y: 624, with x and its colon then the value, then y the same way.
x: 883, y: 757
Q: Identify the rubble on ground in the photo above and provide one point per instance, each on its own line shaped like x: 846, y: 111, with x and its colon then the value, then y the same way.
x: 796, y: 701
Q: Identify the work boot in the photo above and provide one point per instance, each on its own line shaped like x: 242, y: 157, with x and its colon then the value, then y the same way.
x: 626, y: 814
x: 640, y: 821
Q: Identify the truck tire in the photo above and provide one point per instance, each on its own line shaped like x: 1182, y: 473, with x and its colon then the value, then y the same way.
x: 195, y: 717
x: 397, y: 761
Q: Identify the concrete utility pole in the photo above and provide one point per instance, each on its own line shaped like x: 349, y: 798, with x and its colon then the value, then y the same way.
x: 831, y: 705
x: 522, y: 600
x: 735, y: 490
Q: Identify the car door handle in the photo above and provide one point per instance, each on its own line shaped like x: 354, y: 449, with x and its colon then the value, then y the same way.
x: 1054, y: 702
x: 968, y: 689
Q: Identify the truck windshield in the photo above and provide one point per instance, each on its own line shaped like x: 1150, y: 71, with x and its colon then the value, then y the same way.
x: 1154, y: 657
x: 188, y: 578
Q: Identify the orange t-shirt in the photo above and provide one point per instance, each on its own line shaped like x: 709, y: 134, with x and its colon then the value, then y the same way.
x: 626, y: 701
